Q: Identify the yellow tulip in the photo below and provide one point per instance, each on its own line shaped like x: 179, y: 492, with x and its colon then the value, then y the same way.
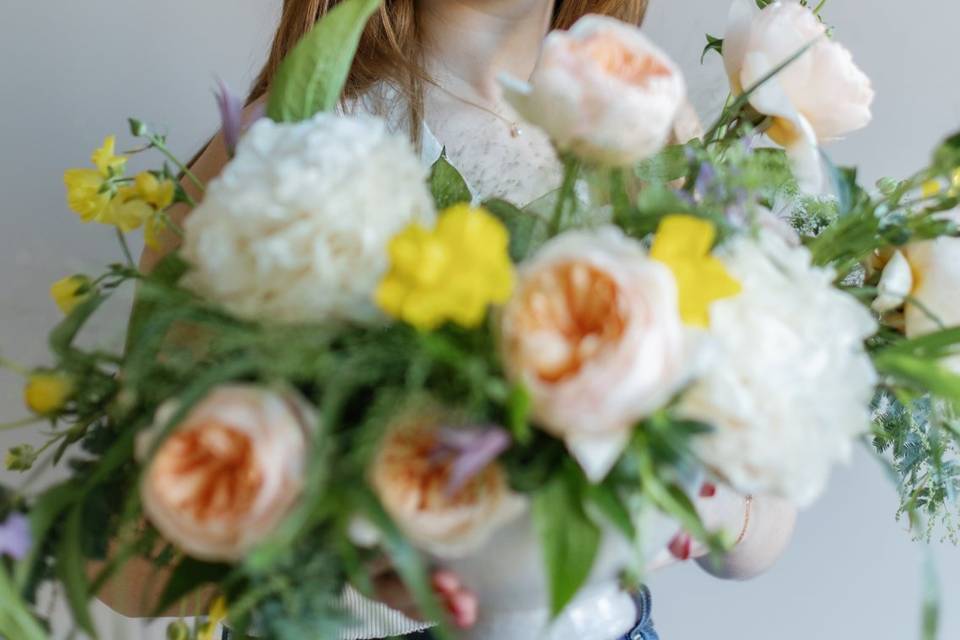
x: 684, y: 243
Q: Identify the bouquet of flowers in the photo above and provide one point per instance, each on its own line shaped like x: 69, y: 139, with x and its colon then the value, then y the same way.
x: 350, y: 357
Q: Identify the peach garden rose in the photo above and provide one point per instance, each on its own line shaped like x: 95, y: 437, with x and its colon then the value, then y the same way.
x: 228, y: 473
x: 924, y: 278
x: 603, y: 91
x: 418, y: 487
x: 595, y: 334
x: 819, y: 97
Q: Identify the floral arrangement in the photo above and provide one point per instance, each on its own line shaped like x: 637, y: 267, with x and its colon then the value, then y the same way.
x: 350, y: 357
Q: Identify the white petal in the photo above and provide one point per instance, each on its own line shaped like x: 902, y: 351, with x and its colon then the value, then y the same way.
x: 737, y: 38
x: 895, y: 284
x: 598, y: 452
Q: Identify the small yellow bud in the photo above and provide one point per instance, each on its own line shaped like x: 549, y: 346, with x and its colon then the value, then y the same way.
x: 931, y: 188
x: 70, y: 292
x: 46, y: 392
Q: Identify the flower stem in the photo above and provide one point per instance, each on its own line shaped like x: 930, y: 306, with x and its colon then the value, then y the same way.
x: 19, y: 424
x: 158, y: 144
x: 125, y: 248
x: 566, y: 198
x: 16, y: 367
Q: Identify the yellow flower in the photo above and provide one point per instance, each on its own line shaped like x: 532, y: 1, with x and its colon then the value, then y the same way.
x: 218, y: 613
x: 88, y: 192
x: 153, y: 230
x: 154, y: 191
x: 683, y: 243
x: 85, y: 194
x: 106, y: 160
x: 46, y: 392
x: 453, y: 272
x: 127, y: 211
x: 70, y: 292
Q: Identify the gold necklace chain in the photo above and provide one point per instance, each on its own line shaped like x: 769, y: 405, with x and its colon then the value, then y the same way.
x: 515, y: 130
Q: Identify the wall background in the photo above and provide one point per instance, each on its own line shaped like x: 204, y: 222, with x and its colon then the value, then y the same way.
x: 72, y: 72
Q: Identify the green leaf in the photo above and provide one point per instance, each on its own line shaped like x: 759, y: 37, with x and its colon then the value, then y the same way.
x: 921, y: 373
x: 43, y: 514
x: 188, y: 576
x: 71, y: 570
x: 62, y: 337
x: 947, y: 156
x: 16, y: 620
x: 408, y: 564
x: 447, y: 185
x: 519, y: 409
x: 713, y: 44
x: 669, y: 164
x: 312, y: 77
x: 570, y: 539
x: 604, y: 497
x: 527, y: 230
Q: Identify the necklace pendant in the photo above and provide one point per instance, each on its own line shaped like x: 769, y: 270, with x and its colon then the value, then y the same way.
x: 515, y: 130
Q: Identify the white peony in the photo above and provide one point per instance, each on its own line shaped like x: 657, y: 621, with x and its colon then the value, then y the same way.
x: 789, y: 384
x: 297, y: 226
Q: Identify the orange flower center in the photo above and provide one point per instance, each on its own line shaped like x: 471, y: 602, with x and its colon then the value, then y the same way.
x: 620, y: 61
x: 569, y: 315
x: 209, y: 472
x: 408, y: 466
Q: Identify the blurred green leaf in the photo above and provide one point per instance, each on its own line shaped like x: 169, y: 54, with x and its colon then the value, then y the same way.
x: 311, y: 78
x: 570, y: 539
x: 447, y: 185
x: 71, y: 569
x: 527, y: 230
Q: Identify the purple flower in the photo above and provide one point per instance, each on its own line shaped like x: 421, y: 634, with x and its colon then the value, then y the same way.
x: 15, y: 537
x: 706, y: 179
x: 231, y: 115
x: 471, y: 451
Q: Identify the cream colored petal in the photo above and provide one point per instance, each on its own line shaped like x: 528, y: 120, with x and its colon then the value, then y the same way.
x: 895, y: 284
x: 737, y: 39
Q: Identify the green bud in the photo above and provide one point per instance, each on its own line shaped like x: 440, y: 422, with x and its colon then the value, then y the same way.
x: 138, y: 128
x: 887, y: 185
x: 21, y: 458
x: 178, y: 631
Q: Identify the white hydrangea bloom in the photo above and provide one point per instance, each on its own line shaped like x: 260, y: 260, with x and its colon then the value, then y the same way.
x: 789, y: 383
x: 296, y: 228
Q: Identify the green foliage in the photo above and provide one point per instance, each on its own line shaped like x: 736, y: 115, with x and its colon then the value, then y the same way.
x: 922, y: 439
x: 527, y: 232
x: 447, y: 185
x: 311, y: 78
x: 570, y: 540
x: 713, y: 44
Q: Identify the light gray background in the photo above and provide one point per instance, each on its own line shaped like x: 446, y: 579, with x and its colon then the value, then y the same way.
x: 71, y: 72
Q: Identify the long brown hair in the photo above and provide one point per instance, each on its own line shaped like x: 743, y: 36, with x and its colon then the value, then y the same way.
x: 390, y: 46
